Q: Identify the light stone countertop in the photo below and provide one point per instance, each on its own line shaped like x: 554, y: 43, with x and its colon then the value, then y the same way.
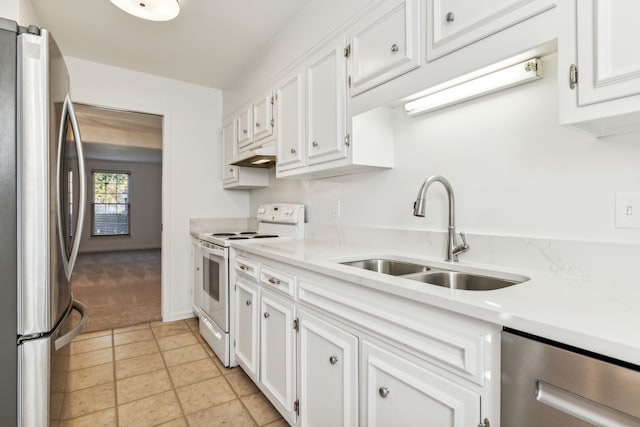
x: 588, y: 313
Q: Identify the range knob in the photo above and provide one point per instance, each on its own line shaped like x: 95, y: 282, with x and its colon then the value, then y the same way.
x: 289, y: 211
x: 261, y: 210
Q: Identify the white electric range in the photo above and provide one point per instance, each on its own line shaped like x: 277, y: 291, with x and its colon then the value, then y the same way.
x: 214, y: 300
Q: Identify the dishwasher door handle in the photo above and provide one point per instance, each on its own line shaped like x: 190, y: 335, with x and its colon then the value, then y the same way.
x: 581, y: 407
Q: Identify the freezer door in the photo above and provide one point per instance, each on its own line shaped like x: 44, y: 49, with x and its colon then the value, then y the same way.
x: 43, y: 367
x: 51, y: 183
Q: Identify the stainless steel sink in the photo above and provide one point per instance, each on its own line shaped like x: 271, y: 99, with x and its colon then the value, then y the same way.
x: 439, y: 276
x: 465, y: 281
x: 388, y: 266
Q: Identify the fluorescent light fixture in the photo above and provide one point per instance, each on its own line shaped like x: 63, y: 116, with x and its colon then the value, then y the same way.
x: 514, y: 75
x: 152, y: 10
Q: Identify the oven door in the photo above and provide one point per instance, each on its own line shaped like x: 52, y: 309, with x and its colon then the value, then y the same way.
x: 215, y: 278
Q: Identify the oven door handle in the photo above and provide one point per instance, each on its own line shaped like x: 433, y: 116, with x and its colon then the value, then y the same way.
x: 213, y: 251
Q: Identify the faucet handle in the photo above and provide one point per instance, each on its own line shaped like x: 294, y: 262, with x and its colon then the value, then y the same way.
x: 460, y: 248
x: 464, y: 240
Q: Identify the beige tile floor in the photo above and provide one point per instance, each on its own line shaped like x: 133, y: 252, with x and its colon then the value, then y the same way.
x: 155, y: 374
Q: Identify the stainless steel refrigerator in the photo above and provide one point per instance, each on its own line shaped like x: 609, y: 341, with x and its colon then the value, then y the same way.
x: 42, y: 200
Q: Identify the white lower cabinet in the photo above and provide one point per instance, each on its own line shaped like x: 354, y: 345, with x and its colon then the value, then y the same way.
x: 277, y: 351
x: 247, y: 327
x: 328, y: 374
x: 328, y: 352
x: 398, y: 392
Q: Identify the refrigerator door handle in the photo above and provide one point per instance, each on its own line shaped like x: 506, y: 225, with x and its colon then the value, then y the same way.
x: 67, y: 110
x: 66, y: 338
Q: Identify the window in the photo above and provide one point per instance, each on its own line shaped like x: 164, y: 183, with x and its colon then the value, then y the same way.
x: 110, y: 207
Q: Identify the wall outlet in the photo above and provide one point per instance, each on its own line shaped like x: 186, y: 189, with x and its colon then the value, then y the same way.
x: 627, y: 210
x: 335, y: 208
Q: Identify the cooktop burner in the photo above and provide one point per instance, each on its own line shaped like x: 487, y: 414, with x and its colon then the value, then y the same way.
x: 242, y: 235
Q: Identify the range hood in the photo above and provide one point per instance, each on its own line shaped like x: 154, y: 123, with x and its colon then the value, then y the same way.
x: 261, y: 157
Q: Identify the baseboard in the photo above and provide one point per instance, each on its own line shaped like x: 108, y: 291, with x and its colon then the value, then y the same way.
x: 180, y: 315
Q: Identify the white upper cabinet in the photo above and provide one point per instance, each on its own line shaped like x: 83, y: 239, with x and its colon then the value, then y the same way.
x: 229, y: 151
x: 600, y: 53
x: 290, y: 115
x: 263, y: 117
x: 453, y: 24
x: 326, y: 106
x: 385, y: 45
x: 245, y: 127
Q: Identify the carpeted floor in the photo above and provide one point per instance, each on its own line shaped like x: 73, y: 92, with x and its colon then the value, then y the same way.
x: 119, y: 288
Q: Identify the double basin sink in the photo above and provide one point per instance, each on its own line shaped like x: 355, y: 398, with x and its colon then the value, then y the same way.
x: 439, y: 276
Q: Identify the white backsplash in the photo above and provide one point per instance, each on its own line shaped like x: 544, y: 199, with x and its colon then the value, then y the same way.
x: 209, y: 225
x: 594, y: 261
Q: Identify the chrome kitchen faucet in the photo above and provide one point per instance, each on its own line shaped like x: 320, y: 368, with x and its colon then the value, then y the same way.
x: 418, y: 210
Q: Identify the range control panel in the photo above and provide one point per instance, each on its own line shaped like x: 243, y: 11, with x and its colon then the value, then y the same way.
x: 284, y: 213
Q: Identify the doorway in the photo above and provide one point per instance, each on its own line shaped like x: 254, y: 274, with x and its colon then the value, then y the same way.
x: 118, y: 271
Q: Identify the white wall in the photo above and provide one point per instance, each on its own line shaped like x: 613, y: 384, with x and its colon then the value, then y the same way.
x: 514, y: 170
x: 191, y: 175
x: 316, y: 21
x: 145, y: 198
x: 20, y: 11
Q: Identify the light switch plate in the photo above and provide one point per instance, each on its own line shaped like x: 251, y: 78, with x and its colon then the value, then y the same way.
x: 627, y: 210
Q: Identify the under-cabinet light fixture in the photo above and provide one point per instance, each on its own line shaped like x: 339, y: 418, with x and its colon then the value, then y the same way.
x: 151, y: 10
x: 504, y: 78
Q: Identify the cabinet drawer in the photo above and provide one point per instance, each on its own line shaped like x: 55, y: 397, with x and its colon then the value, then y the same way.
x: 276, y: 279
x: 247, y: 267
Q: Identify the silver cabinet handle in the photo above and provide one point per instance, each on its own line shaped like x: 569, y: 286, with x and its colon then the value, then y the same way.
x: 383, y: 392
x: 248, y: 302
x: 449, y: 17
x: 394, y: 48
x: 274, y: 281
x: 333, y: 360
x: 293, y: 151
x: 267, y: 315
x: 314, y: 143
x: 257, y: 124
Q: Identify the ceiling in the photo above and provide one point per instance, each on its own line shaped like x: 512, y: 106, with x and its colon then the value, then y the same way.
x: 122, y: 136
x: 209, y: 43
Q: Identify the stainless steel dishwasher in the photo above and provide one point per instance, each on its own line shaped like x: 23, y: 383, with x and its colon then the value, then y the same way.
x: 549, y: 384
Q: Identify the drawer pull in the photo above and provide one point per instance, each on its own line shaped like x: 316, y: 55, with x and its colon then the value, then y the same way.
x: 449, y: 17
x: 248, y: 302
x: 394, y: 48
x: 293, y: 151
x: 266, y: 315
x: 244, y: 268
x: 257, y: 124
x: 383, y: 392
x: 333, y: 360
x: 274, y: 281
x: 314, y: 143
x: 245, y: 131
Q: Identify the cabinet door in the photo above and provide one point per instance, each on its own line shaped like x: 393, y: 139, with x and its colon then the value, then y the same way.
x: 397, y: 392
x: 328, y: 374
x: 387, y: 45
x: 290, y: 107
x: 229, y: 150
x: 263, y: 117
x: 277, y: 351
x: 326, y: 106
x: 458, y: 23
x: 608, y: 56
x: 245, y: 128
x: 246, y: 334
x: 197, y: 277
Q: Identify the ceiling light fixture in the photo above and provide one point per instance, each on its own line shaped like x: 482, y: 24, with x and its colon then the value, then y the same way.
x: 152, y: 10
x: 514, y: 75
